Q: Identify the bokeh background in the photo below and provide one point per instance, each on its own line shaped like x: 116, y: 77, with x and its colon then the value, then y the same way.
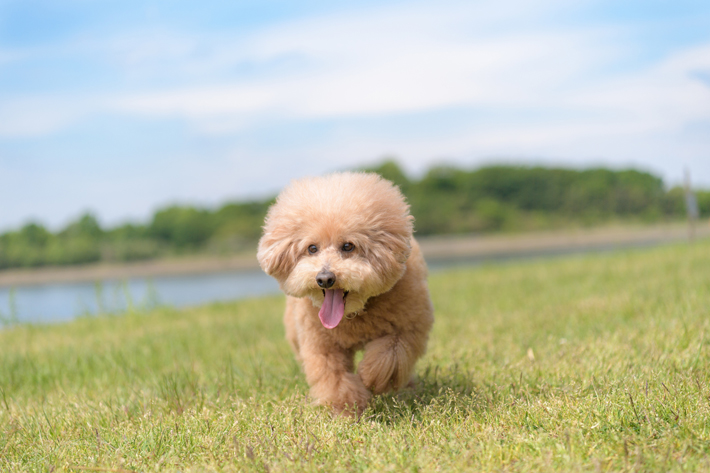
x: 158, y: 132
x: 127, y: 127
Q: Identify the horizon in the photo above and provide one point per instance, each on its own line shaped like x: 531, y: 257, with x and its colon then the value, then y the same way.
x: 246, y: 200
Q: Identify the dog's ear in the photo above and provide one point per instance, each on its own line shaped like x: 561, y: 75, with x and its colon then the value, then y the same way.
x: 397, y: 245
x: 277, y: 254
x: 392, y: 250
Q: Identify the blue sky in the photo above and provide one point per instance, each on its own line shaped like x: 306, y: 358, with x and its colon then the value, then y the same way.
x: 123, y: 107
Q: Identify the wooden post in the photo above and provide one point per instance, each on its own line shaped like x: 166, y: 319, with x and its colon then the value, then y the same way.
x: 691, y: 206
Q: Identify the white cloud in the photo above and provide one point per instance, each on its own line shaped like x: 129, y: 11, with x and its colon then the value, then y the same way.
x: 387, y: 60
x: 200, y: 102
x: 397, y: 60
x: 37, y: 115
x: 405, y: 60
x: 556, y: 91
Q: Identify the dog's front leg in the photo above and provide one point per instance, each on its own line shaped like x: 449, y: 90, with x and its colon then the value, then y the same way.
x: 329, y: 372
x: 388, y: 362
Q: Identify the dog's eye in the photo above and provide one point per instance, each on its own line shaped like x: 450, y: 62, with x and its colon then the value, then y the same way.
x: 348, y: 247
x: 313, y: 249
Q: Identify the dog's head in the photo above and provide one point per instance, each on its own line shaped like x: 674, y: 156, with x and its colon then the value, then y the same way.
x: 338, y: 240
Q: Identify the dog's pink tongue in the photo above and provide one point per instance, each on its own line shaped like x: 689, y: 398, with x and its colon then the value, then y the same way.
x: 331, y: 312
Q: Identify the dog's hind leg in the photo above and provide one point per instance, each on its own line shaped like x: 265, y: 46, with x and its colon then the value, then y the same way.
x: 388, y: 362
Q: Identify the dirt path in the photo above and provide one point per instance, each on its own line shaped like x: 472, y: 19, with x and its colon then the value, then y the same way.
x: 449, y: 247
x: 434, y: 248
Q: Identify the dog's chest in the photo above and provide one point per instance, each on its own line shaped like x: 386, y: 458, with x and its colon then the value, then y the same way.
x: 362, y: 328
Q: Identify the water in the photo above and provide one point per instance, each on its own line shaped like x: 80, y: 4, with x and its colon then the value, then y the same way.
x: 59, y: 302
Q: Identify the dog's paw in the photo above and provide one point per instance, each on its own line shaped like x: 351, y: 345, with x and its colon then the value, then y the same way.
x: 346, y: 395
x: 353, y: 396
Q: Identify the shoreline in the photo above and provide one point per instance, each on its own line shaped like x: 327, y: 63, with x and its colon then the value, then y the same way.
x: 119, y: 271
x: 495, y: 246
x: 435, y: 248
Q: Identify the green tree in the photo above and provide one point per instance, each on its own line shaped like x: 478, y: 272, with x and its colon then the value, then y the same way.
x: 390, y: 170
x: 184, y: 227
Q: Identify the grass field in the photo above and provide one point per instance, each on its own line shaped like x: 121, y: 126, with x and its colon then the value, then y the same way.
x: 592, y: 363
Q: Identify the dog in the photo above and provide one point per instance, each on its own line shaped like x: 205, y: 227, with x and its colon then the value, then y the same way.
x: 342, y: 250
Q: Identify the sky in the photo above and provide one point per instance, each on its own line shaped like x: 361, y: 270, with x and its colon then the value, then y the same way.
x: 123, y: 107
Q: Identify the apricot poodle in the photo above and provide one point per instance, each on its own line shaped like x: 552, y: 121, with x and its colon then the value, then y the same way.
x: 341, y: 248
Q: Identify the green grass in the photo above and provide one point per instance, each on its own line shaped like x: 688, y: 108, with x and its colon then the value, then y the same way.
x: 593, y: 363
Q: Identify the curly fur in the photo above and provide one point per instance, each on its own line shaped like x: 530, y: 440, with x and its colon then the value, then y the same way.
x: 388, y: 313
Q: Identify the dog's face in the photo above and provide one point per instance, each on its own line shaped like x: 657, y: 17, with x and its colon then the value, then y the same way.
x: 338, y: 240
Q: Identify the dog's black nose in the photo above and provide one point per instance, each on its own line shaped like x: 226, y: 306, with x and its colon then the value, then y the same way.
x: 325, y: 279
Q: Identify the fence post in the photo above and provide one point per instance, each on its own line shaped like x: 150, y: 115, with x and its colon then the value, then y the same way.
x: 691, y: 206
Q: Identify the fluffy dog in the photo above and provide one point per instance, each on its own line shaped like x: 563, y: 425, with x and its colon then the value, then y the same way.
x: 342, y: 250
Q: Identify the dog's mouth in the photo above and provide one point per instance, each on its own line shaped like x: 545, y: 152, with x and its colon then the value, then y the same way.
x: 333, y: 308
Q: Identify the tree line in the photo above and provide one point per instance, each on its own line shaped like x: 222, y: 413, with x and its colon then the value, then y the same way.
x: 446, y: 200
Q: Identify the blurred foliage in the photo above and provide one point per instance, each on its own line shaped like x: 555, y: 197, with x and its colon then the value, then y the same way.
x: 445, y: 200
x: 517, y: 198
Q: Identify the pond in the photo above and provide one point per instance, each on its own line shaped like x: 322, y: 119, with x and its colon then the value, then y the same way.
x: 58, y: 302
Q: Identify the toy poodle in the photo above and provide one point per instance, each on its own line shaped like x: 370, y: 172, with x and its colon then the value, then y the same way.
x: 341, y: 248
